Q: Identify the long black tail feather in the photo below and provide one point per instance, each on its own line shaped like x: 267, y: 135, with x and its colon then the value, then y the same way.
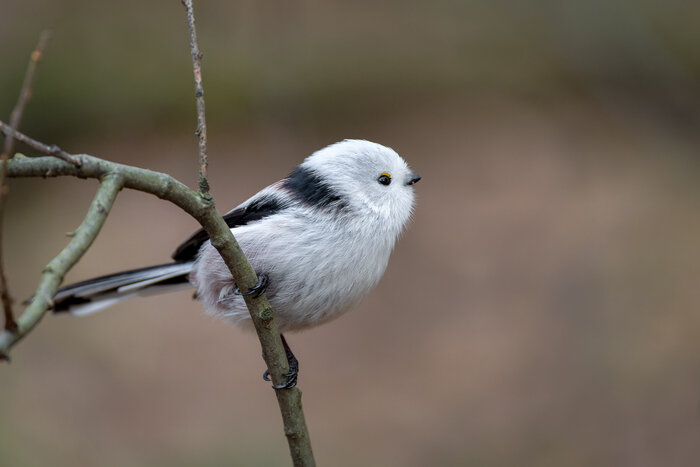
x: 101, y: 292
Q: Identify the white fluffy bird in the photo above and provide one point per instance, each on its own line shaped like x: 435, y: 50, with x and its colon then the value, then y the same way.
x: 319, y: 239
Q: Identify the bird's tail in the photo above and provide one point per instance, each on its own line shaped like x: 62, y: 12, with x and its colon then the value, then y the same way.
x: 99, y: 293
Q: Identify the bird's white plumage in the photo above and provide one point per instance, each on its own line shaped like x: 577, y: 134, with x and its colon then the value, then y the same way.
x: 323, y: 247
x: 320, y: 262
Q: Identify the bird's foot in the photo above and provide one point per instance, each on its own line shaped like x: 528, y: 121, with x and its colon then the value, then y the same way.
x: 258, y: 289
x: 293, y: 373
x: 289, y: 383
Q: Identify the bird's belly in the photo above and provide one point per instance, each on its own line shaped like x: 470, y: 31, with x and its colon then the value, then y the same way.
x: 313, y: 277
x: 313, y: 289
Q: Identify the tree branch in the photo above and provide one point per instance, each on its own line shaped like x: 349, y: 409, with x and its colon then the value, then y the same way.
x: 15, y: 117
x: 52, y: 150
x: 202, y: 208
x: 200, y: 205
x: 201, y: 131
x: 53, y: 274
x: 26, y: 92
x: 289, y: 400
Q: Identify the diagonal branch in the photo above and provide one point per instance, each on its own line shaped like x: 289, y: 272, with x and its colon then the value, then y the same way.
x: 289, y: 400
x: 15, y: 118
x: 55, y: 271
x: 52, y: 150
x: 26, y: 92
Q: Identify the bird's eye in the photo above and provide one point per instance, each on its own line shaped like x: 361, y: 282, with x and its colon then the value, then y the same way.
x: 384, y: 179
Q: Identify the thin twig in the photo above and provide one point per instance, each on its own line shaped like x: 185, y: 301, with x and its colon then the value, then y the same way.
x: 199, y: 99
x: 289, y: 400
x: 26, y: 91
x: 54, y: 272
x: 15, y: 117
x: 52, y: 150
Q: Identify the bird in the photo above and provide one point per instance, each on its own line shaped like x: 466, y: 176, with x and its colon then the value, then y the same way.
x: 319, y: 240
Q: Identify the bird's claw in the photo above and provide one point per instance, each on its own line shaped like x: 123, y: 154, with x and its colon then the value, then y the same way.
x: 258, y: 289
x: 292, y: 375
x: 289, y: 383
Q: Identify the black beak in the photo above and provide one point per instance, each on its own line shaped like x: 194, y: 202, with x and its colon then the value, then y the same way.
x: 415, y: 178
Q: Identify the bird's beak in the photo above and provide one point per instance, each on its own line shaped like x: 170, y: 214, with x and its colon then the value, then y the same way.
x: 415, y: 178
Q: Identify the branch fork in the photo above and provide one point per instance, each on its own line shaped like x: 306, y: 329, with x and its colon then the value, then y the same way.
x: 199, y: 204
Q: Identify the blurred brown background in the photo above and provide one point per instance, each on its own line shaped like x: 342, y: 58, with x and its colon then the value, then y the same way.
x: 542, y: 308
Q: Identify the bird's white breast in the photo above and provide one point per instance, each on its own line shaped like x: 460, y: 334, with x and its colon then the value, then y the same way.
x: 317, y: 269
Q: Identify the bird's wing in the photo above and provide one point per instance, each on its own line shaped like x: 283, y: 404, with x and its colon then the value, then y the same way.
x: 265, y: 203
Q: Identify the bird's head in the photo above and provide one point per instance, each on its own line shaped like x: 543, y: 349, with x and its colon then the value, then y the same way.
x: 368, y: 178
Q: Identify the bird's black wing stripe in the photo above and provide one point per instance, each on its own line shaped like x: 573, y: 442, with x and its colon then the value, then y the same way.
x: 254, y: 211
x: 308, y: 187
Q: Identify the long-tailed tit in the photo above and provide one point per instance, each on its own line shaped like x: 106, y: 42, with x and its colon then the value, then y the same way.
x: 319, y: 240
